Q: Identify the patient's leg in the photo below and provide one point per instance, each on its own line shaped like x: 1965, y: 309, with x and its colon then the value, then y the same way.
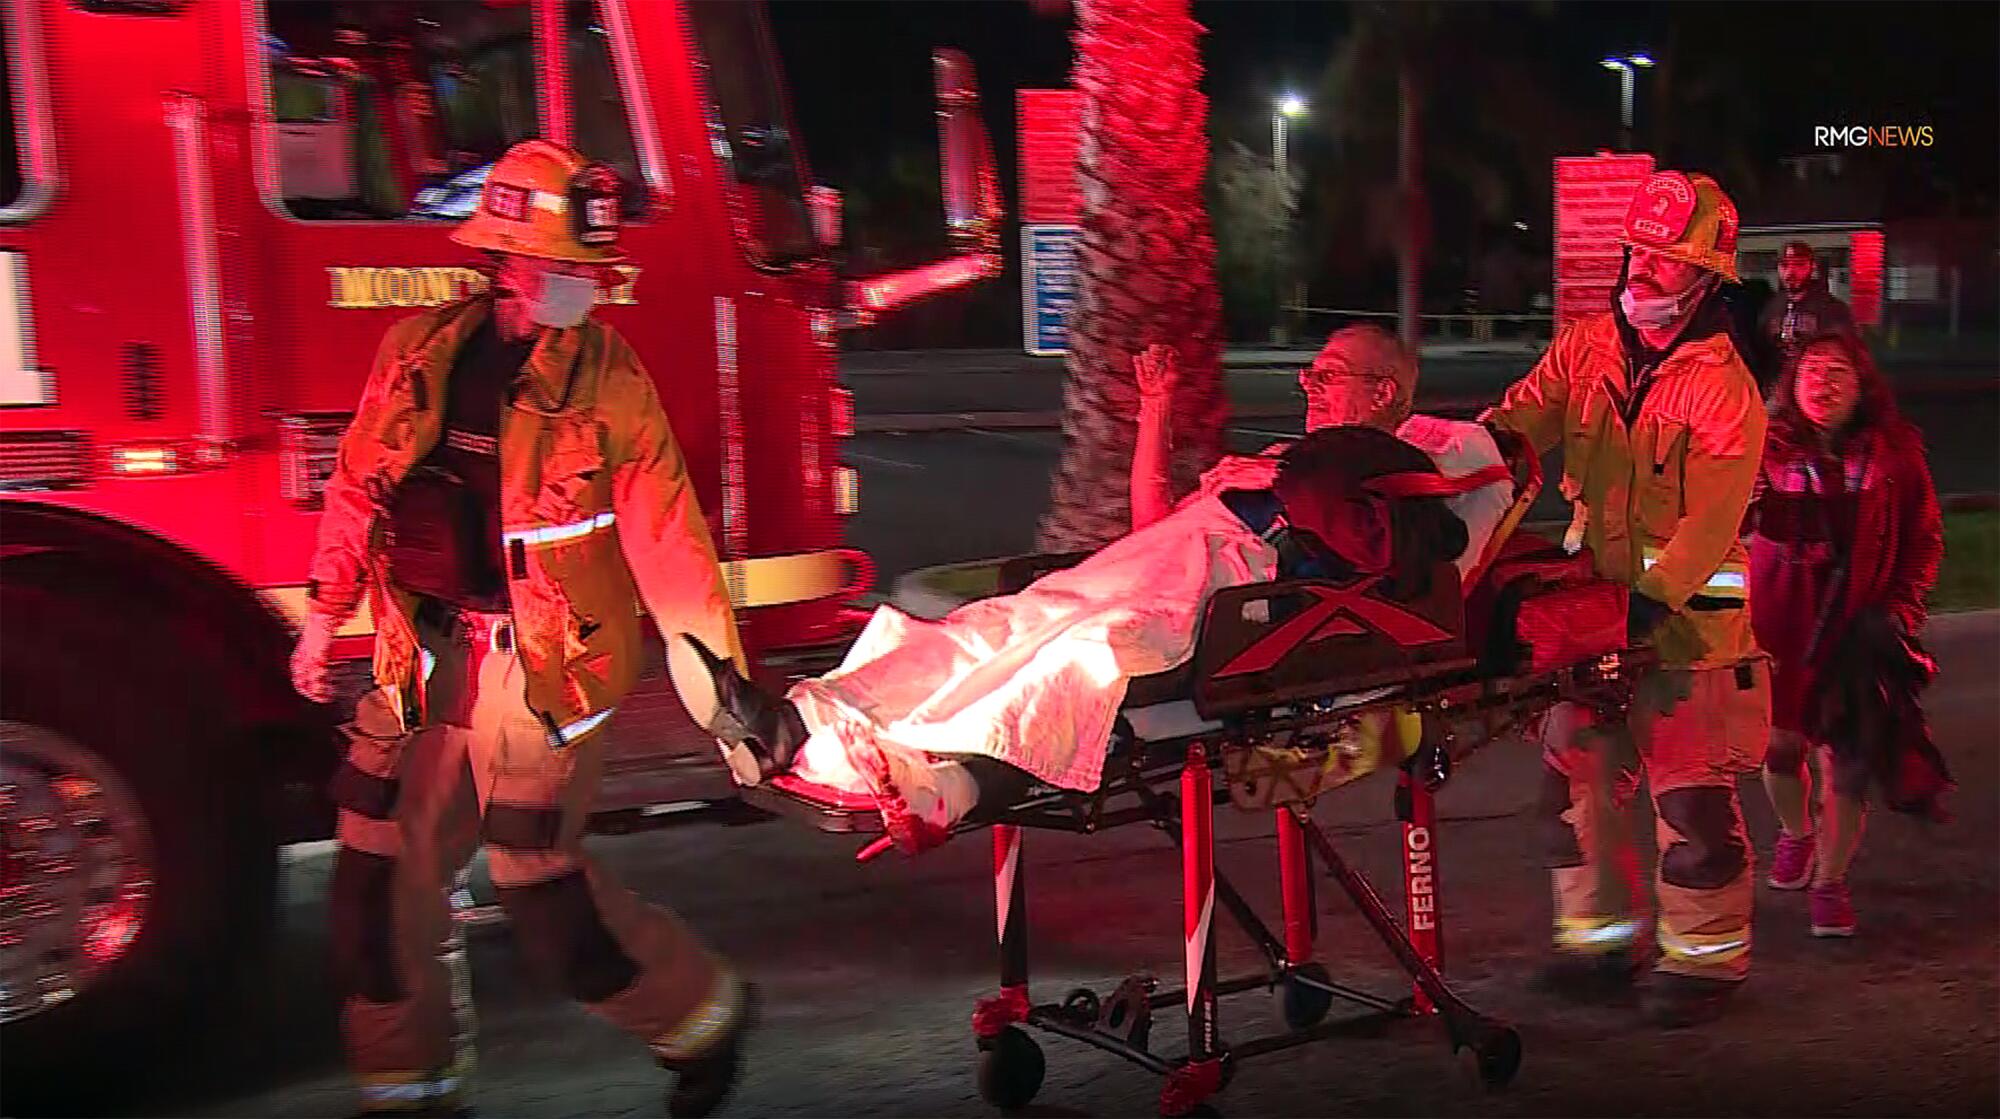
x: 941, y: 792
x: 945, y: 792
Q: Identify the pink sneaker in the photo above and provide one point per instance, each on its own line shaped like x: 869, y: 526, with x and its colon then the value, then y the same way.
x: 1832, y: 910
x: 1791, y: 862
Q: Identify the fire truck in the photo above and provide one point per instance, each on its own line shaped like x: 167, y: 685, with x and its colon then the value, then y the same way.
x: 210, y: 212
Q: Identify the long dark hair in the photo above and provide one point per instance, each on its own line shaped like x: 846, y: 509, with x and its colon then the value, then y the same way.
x: 1875, y: 407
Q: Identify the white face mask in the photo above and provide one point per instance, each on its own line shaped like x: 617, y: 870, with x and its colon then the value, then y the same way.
x: 1657, y: 312
x: 564, y: 300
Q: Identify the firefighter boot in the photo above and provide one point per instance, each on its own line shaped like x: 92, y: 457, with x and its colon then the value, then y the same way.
x: 760, y: 733
x: 703, y: 1083
x: 1676, y: 1002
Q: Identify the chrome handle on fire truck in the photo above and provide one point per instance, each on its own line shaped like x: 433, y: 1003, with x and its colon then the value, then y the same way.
x: 971, y: 192
x: 23, y: 383
x: 972, y: 205
x: 187, y: 118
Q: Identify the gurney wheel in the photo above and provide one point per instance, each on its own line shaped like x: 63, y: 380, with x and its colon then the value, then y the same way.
x: 1010, y: 1069
x: 1492, y: 1055
x: 1302, y: 1006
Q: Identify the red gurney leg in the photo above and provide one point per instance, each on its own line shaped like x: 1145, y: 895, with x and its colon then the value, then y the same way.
x: 1416, y: 805
x: 1296, y: 884
x: 1010, y: 909
x: 1201, y: 1077
x: 1010, y: 1063
x: 1420, y: 879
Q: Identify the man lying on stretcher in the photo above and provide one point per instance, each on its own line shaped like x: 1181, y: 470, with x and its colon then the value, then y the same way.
x: 1034, y: 680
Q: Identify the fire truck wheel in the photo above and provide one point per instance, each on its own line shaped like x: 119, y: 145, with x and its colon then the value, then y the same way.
x: 136, y: 864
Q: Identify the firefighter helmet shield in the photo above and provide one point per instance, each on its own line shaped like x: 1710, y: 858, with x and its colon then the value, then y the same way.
x: 544, y: 200
x: 1687, y: 218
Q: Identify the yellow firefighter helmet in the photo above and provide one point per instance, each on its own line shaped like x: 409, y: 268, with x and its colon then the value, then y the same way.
x: 542, y: 199
x: 1687, y: 218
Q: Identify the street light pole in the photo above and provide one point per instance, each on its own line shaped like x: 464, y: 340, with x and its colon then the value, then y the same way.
x: 1287, y: 107
x: 1278, y: 161
x: 1625, y: 77
x: 1628, y: 71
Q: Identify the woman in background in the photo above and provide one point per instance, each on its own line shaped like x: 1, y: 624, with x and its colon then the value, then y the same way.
x: 1844, y: 550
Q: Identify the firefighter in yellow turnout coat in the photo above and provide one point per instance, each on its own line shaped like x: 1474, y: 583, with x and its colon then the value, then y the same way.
x: 1661, y: 429
x: 508, y: 493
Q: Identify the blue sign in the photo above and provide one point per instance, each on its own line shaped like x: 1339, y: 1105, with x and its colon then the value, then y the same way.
x: 1048, y: 286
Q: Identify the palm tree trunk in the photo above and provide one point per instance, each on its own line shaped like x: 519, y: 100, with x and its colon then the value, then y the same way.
x: 1410, y: 183
x: 1146, y: 268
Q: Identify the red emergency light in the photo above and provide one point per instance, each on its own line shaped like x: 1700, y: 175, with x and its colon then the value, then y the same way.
x: 1864, y: 285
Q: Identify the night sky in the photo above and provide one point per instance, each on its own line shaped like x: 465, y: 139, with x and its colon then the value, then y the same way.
x: 859, y: 68
x: 860, y: 76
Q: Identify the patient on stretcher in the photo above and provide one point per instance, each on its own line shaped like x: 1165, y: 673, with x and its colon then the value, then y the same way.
x: 1035, y: 680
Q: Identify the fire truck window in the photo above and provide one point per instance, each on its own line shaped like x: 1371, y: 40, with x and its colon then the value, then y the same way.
x: 601, y: 127
x: 12, y: 180
x: 742, y: 75
x: 389, y: 110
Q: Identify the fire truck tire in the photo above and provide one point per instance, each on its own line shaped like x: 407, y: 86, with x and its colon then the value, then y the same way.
x: 165, y: 870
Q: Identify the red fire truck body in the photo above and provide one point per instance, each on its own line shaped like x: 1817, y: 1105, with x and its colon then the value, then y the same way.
x: 210, y: 212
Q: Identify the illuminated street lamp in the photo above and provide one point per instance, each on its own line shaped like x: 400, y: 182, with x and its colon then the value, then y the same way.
x: 1627, y: 68
x: 1287, y: 107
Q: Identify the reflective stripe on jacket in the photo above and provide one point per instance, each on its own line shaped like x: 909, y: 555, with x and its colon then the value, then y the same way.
x: 597, y: 513
x: 1666, y: 494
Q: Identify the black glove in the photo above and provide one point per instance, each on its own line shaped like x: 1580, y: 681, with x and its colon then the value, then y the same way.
x: 1643, y: 615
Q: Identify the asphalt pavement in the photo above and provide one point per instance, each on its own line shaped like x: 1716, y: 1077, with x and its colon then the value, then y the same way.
x: 869, y: 973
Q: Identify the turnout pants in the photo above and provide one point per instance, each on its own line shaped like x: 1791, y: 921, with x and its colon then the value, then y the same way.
x: 1693, y: 733
x: 415, y: 806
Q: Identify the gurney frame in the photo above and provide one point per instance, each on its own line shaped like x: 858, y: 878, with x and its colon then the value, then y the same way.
x: 1140, y: 787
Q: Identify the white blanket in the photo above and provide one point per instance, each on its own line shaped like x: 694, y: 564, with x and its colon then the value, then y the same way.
x: 1036, y: 679
x: 1033, y: 679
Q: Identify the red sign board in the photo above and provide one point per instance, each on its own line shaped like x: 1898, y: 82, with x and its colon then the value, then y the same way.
x: 1864, y: 276
x: 1051, y: 129
x: 1592, y: 193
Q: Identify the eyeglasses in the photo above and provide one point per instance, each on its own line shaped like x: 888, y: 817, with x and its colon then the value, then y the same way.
x: 1317, y: 380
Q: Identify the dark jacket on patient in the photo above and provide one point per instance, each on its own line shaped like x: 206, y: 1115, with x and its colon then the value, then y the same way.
x: 1336, y: 488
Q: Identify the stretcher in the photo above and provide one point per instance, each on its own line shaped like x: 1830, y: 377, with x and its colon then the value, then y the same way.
x: 1261, y: 716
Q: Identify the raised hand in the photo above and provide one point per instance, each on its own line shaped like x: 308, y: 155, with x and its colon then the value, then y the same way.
x: 1156, y: 370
